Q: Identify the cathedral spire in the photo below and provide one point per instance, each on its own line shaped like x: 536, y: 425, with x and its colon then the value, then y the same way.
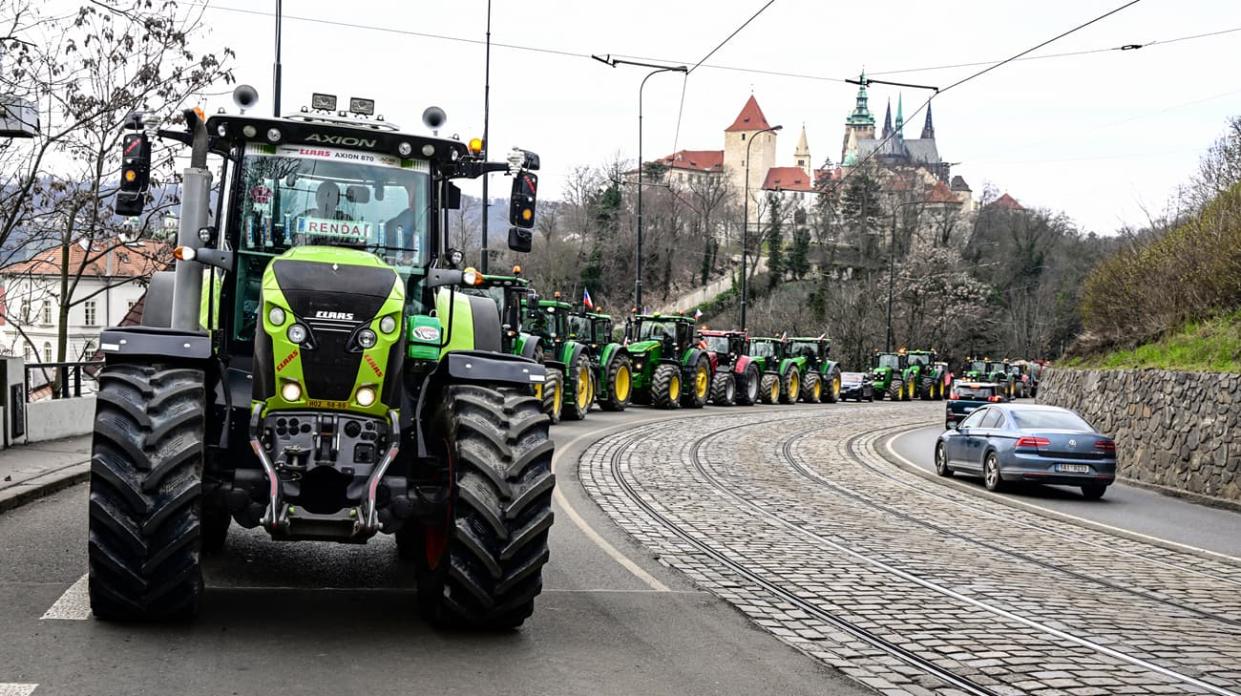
x: 887, y: 119
x: 928, y: 128
x: 861, y: 115
x: 900, y: 116
x: 802, y: 153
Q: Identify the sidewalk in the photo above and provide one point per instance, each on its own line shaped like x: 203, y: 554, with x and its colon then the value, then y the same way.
x: 32, y: 471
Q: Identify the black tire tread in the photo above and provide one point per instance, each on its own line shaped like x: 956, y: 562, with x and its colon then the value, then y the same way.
x: 609, y: 402
x: 661, y: 382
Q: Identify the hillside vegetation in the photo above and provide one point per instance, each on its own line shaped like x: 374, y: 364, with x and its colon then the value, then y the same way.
x: 1212, y: 345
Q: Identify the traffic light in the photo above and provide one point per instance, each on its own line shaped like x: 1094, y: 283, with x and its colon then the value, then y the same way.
x: 521, y: 204
x: 135, y: 174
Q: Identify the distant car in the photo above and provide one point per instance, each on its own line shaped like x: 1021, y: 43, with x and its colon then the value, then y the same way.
x: 1006, y: 442
x: 966, y: 397
x: 856, y: 386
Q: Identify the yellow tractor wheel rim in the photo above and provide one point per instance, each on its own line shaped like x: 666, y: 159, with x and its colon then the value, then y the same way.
x: 620, y: 390
x: 836, y: 386
x: 794, y: 387
x: 818, y: 391
x: 702, y: 382
x: 538, y: 391
x: 775, y: 391
x: 583, y: 389
x: 674, y: 388
x: 557, y: 398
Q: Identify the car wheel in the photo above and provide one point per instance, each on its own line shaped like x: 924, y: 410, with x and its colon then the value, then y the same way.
x: 1094, y: 491
x: 991, y: 473
x: 941, y: 461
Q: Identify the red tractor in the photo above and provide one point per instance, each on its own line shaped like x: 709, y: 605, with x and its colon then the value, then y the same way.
x: 736, y: 376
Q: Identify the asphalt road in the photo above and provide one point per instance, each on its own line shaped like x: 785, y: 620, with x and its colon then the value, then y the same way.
x: 1125, y: 507
x: 314, y: 618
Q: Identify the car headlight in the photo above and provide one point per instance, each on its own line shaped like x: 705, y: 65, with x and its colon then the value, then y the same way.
x: 387, y: 324
x: 291, y: 391
x: 297, y: 333
x: 276, y: 316
x: 367, y: 338
x: 365, y: 396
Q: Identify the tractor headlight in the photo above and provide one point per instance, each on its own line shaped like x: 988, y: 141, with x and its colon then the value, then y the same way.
x: 365, y: 396
x: 367, y: 338
x: 387, y: 324
x: 297, y: 333
x: 275, y: 315
x: 291, y: 391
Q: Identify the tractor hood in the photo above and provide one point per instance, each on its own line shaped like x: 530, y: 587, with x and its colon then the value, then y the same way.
x: 643, y: 346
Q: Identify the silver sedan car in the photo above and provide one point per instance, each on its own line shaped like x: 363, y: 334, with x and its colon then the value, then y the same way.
x: 1008, y: 443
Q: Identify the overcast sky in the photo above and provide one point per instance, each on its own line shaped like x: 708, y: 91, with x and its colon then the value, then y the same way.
x: 1099, y: 136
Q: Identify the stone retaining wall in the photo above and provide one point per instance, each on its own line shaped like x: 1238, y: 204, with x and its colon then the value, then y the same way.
x: 1180, y: 430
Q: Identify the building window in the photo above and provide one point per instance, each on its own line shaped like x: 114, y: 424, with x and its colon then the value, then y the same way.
x: 88, y: 308
x: 47, y: 313
x: 47, y: 351
x: 29, y: 355
x: 26, y: 312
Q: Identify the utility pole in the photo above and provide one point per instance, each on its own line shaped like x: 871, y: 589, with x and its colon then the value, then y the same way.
x: 745, y: 223
x: 887, y: 343
x: 276, y: 68
x: 486, y: 135
x: 613, y: 62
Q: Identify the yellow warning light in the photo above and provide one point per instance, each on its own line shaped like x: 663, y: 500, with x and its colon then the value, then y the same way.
x: 130, y: 175
x: 526, y: 214
x: 202, y: 115
x: 475, y: 145
x: 556, y: 294
x: 516, y: 270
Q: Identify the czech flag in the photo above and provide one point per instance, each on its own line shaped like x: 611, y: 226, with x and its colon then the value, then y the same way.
x: 586, y: 299
x: 698, y: 313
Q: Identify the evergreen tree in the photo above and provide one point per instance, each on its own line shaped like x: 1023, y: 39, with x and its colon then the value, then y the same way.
x: 776, y: 265
x: 860, y: 203
x: 799, y: 257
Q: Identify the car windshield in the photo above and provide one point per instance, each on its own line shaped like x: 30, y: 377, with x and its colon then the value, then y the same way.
x: 1047, y: 419
x: 656, y: 330
x: 762, y: 349
x: 917, y: 359
x: 807, y: 348
x: 717, y: 344
x: 297, y: 195
x: 851, y: 377
x: 890, y: 360
x: 975, y: 393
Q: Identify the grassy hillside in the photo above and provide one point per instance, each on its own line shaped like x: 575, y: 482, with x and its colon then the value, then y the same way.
x: 1213, y: 345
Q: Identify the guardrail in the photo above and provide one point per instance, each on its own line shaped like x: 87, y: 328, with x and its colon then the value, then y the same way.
x: 64, y: 378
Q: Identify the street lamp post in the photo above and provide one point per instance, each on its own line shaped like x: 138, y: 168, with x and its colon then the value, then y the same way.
x: 609, y: 60
x: 745, y: 223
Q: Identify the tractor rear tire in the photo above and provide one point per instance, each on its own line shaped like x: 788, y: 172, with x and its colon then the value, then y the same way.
x: 666, y: 386
x: 619, y: 384
x: 812, y: 389
x: 553, y: 394
x: 579, y: 389
x: 927, y: 392
x: 749, y: 386
x: 831, y: 392
x: 145, y: 519
x: 790, y: 386
x: 698, y: 391
x: 896, y: 388
x: 723, y: 389
x: 769, y: 388
x: 490, y: 569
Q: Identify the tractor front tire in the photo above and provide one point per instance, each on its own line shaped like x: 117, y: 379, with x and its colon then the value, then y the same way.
x: 145, y: 519
x: 790, y: 386
x: 552, y: 394
x: 666, y: 386
x: 749, y: 386
x: 698, y: 389
x: 619, y: 384
x: 490, y: 569
x: 579, y: 389
x: 769, y: 388
x: 723, y: 389
x: 896, y: 388
x: 831, y: 392
x: 812, y: 389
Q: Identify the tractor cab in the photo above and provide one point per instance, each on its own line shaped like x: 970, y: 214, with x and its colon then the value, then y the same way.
x: 890, y: 361
x: 727, y: 346
x: 674, y: 332
x: 821, y: 376
x: 511, y: 294
x: 669, y: 369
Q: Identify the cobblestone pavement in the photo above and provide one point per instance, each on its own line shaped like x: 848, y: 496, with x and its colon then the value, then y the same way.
x: 905, y: 585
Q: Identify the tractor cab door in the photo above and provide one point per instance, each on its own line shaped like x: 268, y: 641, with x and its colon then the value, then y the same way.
x: 685, y: 336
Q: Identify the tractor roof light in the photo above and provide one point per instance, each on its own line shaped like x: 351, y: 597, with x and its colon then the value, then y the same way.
x: 475, y: 146
x: 323, y: 102
x: 516, y: 270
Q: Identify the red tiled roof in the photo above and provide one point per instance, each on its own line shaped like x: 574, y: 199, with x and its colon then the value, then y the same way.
x: 113, y: 260
x: 940, y: 193
x: 1008, y: 202
x: 695, y: 160
x: 751, y: 118
x: 787, y: 179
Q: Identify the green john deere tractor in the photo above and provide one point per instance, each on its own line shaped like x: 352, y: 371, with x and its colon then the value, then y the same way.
x: 669, y: 370
x: 331, y: 382
x: 610, y: 360
x: 926, y: 374
x: 782, y: 378
x: 821, y: 375
x: 549, y: 321
x: 998, y: 372
x: 888, y: 376
x: 975, y: 370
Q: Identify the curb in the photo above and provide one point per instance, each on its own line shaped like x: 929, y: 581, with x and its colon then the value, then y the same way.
x: 43, y: 485
x: 884, y: 449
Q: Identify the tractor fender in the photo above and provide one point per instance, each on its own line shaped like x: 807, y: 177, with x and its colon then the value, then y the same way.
x: 119, y: 343
x: 570, y: 352
x: 470, y: 367
x: 741, y: 364
x: 608, y: 354
x: 785, y: 364
x: 529, y: 344
x: 690, y: 359
x: 830, y: 368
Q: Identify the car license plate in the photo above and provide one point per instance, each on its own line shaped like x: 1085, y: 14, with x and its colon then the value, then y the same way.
x: 1073, y: 468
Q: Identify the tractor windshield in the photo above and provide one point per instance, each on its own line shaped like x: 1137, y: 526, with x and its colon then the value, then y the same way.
x: 580, y: 328
x: 763, y: 349
x: 809, y: 349
x: 919, y: 359
x: 717, y: 344
x: 978, y: 366
x: 996, y: 367
x: 657, y: 330
x: 891, y: 360
x: 296, y: 195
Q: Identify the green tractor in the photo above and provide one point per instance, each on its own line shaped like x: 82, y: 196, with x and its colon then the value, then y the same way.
x: 329, y: 383
x: 926, y: 374
x: 998, y: 371
x: 669, y: 370
x: 561, y: 353
x: 975, y: 370
x: 611, y: 362
x: 889, y: 375
x: 782, y: 377
x: 821, y: 375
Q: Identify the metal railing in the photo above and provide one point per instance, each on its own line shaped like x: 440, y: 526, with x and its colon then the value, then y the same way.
x: 63, y: 380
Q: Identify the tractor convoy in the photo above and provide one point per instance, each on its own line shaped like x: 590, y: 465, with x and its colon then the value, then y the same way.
x: 342, y: 374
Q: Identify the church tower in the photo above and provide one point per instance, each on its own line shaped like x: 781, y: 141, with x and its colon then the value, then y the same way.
x: 887, y: 120
x: 859, y: 126
x: 928, y: 128
x: 737, y: 142
x: 900, y: 117
x: 802, y: 153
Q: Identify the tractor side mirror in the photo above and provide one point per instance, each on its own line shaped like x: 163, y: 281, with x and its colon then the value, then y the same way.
x: 519, y: 240
x: 439, y: 277
x: 452, y: 197
x: 522, y: 200
x: 131, y: 198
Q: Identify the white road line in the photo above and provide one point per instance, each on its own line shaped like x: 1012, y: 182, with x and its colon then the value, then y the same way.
x: 1049, y: 512
x: 73, y: 605
x: 17, y: 689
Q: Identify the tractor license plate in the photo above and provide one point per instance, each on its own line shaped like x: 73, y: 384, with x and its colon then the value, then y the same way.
x: 1073, y: 468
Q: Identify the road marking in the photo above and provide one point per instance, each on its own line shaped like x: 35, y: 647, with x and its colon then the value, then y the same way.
x: 73, y: 605
x: 1049, y: 512
x: 17, y: 689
